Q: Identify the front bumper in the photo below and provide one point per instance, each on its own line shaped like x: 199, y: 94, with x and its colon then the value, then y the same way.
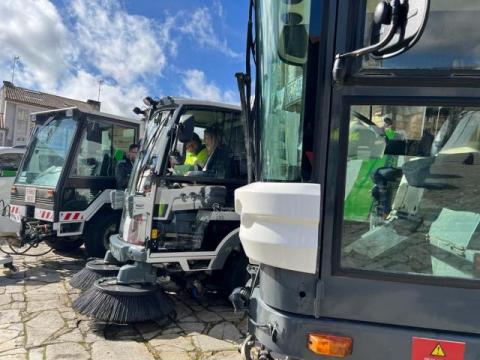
x: 286, y: 334
x: 123, y: 251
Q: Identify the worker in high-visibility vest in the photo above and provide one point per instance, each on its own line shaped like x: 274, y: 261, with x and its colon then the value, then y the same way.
x: 197, y: 153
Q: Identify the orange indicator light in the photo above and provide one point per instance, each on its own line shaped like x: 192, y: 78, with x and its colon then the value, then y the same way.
x: 324, y: 344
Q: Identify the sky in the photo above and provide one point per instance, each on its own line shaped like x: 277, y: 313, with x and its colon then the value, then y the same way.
x: 135, y: 48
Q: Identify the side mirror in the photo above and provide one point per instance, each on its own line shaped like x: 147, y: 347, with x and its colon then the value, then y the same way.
x: 397, y: 26
x: 293, y: 33
x: 185, y: 128
x: 413, y: 15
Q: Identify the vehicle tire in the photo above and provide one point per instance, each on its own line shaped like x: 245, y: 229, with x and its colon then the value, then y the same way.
x: 64, y: 244
x: 98, y: 231
x: 234, y: 272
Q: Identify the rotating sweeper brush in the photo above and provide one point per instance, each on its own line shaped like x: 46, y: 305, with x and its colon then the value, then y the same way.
x: 93, y: 271
x: 109, y: 301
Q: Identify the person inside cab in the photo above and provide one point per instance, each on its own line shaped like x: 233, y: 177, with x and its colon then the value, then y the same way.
x: 124, y: 167
x: 197, y: 153
x: 220, y: 159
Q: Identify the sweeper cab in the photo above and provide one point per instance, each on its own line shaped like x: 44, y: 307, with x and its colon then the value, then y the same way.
x: 364, y: 213
x: 178, y: 215
x: 61, y: 194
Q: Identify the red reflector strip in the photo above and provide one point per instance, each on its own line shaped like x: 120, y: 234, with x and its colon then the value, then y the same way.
x: 75, y: 217
x: 67, y: 216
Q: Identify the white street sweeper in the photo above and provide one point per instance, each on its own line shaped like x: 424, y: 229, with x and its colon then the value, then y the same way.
x: 178, y: 213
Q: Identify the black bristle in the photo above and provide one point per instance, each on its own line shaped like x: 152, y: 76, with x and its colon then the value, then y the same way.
x: 95, y: 269
x: 84, y: 279
x: 121, y: 308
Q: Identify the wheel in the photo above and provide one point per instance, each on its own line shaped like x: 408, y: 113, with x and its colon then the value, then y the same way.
x: 64, y: 244
x: 234, y: 272
x: 98, y: 231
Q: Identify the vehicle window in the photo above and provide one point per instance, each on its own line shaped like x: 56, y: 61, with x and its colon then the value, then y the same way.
x: 412, y: 203
x: 10, y: 161
x: 122, y: 139
x: 217, y: 149
x: 282, y: 60
x: 448, y: 41
x: 95, y: 155
x: 47, y: 153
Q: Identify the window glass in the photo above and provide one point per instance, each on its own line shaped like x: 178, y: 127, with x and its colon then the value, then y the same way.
x: 412, y: 203
x: 449, y: 41
x: 47, y: 153
x: 95, y: 155
x: 122, y: 139
x: 217, y: 149
x: 283, y: 47
x: 10, y: 161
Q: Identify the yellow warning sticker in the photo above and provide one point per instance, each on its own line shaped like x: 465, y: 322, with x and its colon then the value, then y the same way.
x: 438, y: 351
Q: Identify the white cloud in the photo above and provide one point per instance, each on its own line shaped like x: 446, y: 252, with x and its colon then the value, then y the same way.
x: 34, y: 31
x: 122, y: 46
x: 68, y: 53
x: 200, y: 27
x: 197, y: 86
x: 115, y: 99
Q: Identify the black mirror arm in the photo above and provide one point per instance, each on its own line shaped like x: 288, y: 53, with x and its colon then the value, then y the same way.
x: 339, y: 68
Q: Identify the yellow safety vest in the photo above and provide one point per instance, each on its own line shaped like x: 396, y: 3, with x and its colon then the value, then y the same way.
x: 199, y: 158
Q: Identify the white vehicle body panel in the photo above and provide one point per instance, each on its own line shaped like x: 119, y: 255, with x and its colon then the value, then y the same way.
x: 280, y: 224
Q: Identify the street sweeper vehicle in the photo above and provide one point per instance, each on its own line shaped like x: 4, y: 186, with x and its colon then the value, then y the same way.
x: 178, y: 214
x: 61, y: 194
x: 364, y: 215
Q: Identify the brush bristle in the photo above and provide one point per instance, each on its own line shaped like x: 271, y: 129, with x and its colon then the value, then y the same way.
x: 121, y: 308
x: 85, y: 278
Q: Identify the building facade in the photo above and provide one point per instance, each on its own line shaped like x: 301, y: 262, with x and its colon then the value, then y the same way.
x: 16, y: 105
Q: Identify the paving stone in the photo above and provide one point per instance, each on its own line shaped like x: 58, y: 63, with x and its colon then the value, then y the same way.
x: 10, y: 316
x: 5, y: 299
x: 148, y: 330
x: 71, y: 336
x: 208, y: 316
x: 66, y: 351
x: 225, y: 331
x: 180, y: 355
x: 172, y: 330
x: 120, y: 350
x: 12, y: 344
x: 36, y: 354
x: 122, y: 332
x: 208, y: 343
x: 196, y: 327
x: 42, y: 327
x: 13, y: 357
x: 224, y: 355
x: 7, y: 335
x: 172, y: 343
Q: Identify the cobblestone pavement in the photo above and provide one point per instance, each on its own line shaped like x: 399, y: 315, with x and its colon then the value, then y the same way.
x: 37, y: 321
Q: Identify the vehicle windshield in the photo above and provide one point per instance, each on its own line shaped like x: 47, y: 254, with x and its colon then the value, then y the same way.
x: 282, y: 39
x: 140, y: 181
x: 47, y: 153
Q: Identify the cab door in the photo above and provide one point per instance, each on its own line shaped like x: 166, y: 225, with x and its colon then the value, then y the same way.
x: 401, y: 234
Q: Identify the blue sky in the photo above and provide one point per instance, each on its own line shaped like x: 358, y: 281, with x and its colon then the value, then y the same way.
x: 136, y: 47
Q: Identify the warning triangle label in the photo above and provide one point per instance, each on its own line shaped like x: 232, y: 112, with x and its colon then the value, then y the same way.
x: 438, y: 351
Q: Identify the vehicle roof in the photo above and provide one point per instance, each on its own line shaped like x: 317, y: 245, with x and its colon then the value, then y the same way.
x: 17, y: 150
x: 185, y: 101
x: 91, y: 112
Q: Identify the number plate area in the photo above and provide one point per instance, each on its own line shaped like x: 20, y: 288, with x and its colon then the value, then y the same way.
x: 30, y: 195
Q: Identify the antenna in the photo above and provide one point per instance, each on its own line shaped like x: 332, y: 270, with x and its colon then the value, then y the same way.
x: 100, y: 83
x: 15, y: 59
